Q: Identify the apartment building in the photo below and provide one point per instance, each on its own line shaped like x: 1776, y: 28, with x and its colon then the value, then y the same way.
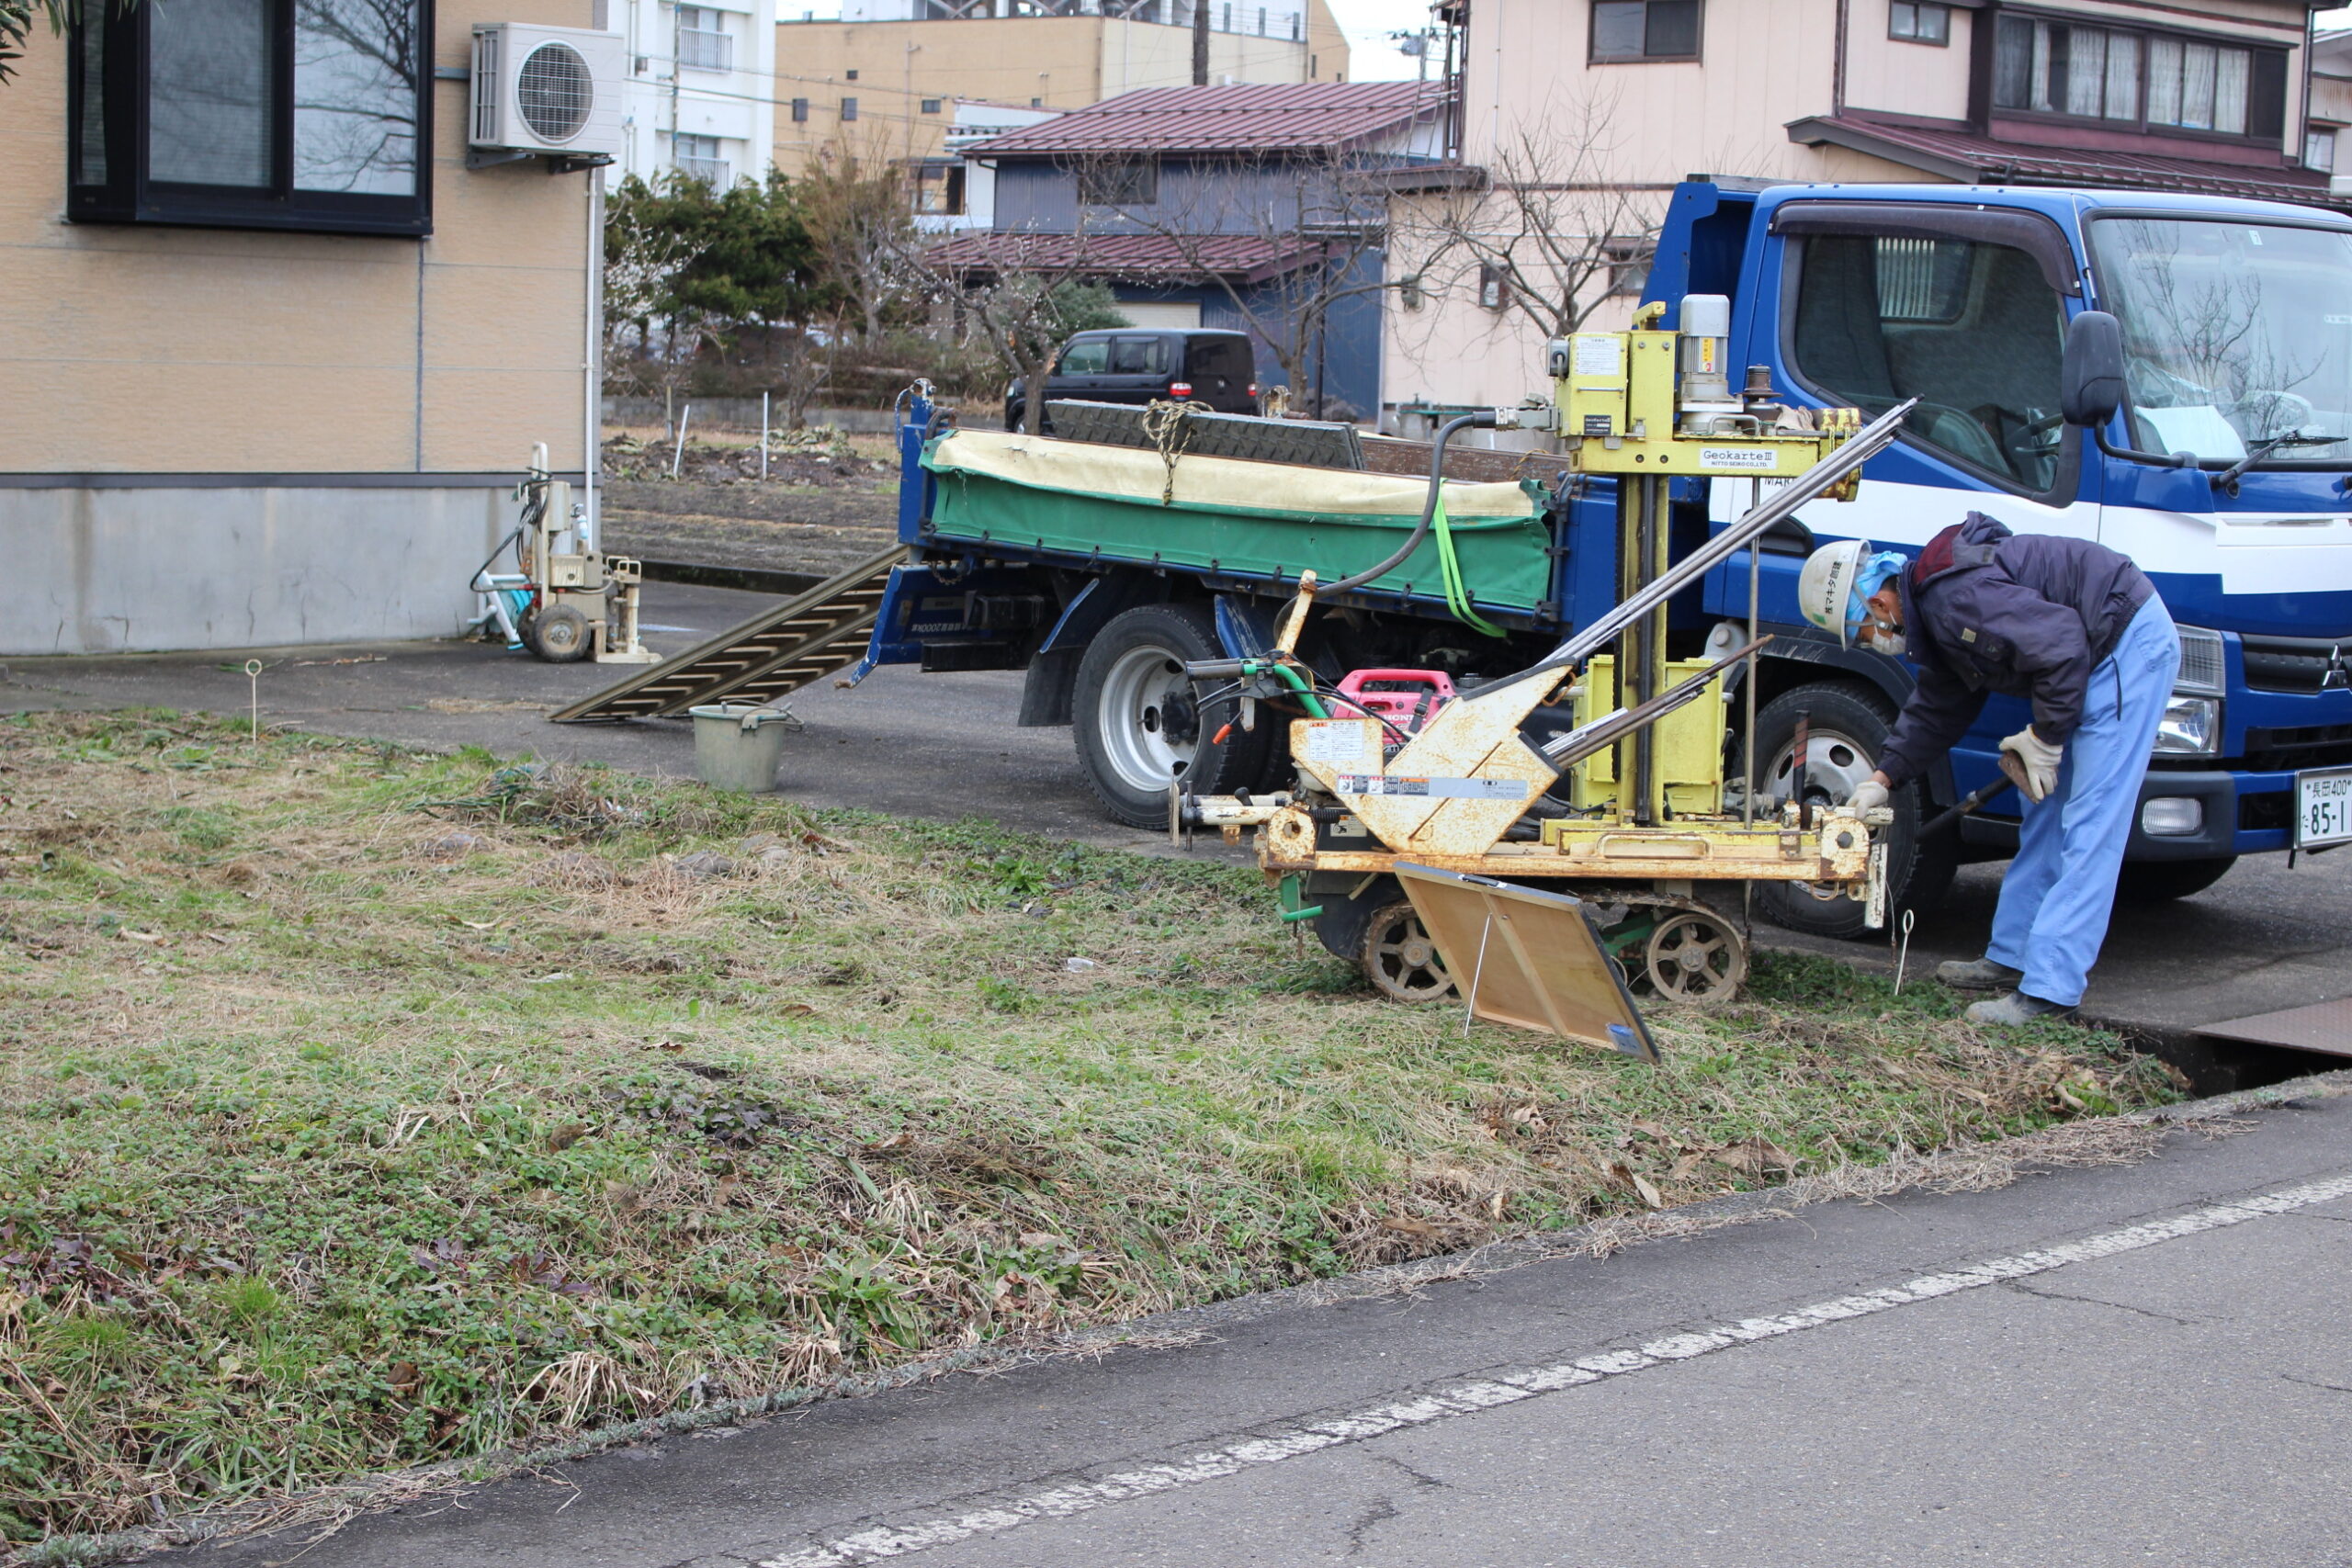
x: 1629, y: 96
x: 272, y: 355
x: 882, y: 80
x: 701, y: 88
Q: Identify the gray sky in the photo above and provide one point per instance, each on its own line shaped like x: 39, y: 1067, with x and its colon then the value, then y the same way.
x: 1368, y: 24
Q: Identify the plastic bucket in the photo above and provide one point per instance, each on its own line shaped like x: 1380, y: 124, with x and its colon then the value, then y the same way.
x: 740, y: 747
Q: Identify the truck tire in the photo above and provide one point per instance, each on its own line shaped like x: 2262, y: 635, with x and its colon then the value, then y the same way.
x: 2162, y: 881
x: 1134, y: 722
x: 1849, y: 729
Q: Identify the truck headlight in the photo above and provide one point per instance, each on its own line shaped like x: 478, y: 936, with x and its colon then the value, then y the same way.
x: 2191, y: 727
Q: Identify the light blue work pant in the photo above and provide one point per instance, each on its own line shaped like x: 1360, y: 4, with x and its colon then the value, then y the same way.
x: 2058, y: 892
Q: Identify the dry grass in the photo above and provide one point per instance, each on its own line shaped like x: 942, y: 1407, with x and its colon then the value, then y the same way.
x: 360, y: 1109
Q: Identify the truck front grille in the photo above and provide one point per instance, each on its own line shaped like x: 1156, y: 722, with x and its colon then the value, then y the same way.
x: 2306, y: 746
x: 2292, y: 663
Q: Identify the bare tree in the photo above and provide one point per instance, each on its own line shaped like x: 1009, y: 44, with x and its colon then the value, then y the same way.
x: 1553, y: 231
x: 862, y: 224
x: 1024, y: 292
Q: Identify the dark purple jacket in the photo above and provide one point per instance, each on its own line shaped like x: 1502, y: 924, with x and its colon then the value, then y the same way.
x: 2026, y: 615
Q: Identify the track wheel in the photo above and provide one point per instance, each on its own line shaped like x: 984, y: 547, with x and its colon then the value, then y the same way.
x: 1400, y: 960
x: 1694, y: 959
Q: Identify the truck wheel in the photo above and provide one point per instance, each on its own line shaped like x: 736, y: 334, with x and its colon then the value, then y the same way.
x: 2161, y: 881
x: 1135, y: 722
x: 1848, y: 727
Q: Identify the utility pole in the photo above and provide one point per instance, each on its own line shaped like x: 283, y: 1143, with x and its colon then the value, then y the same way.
x: 1200, y: 43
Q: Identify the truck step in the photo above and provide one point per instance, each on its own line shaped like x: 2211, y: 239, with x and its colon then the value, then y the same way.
x: 775, y: 653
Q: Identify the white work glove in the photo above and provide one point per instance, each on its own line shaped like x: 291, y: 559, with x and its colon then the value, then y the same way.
x: 1869, y: 796
x: 2040, y: 759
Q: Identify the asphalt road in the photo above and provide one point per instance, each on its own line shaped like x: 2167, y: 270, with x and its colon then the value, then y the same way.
x: 2143, y: 1364
x: 2264, y: 939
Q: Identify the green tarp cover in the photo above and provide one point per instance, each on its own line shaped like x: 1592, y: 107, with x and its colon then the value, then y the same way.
x: 1235, y: 518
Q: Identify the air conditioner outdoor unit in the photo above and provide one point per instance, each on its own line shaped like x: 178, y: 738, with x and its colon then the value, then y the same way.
x: 552, y: 90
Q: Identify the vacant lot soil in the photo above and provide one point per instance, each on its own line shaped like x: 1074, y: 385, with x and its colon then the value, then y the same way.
x: 360, y: 1108
x: 826, y: 504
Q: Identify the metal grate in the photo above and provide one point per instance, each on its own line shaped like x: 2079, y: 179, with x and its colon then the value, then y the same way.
x: 554, y: 91
x: 712, y: 171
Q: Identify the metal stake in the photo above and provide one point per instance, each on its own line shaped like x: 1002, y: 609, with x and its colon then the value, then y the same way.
x: 253, y: 680
x: 1902, y: 959
x: 678, y: 452
x: 764, y: 435
x: 1470, y: 1003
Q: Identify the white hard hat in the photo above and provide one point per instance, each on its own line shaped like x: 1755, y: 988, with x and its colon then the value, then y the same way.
x: 1825, y: 582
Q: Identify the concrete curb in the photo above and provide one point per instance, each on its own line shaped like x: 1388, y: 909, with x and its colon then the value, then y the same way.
x: 1182, y: 1324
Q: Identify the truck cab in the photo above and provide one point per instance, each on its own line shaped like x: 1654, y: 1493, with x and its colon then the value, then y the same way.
x: 2223, y: 473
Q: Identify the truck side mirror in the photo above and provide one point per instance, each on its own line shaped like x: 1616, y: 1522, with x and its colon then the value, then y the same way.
x: 2090, y: 380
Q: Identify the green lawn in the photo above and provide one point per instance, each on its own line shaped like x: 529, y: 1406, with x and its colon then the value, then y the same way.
x: 360, y: 1108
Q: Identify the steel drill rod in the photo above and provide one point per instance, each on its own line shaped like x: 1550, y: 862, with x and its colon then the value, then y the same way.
x: 1866, y: 443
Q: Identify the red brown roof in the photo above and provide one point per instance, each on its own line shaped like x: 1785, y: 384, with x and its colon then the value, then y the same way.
x: 1159, y: 257
x: 1981, y: 160
x: 1287, y: 117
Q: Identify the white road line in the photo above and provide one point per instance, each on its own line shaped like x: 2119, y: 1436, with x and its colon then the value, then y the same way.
x: 984, y: 1518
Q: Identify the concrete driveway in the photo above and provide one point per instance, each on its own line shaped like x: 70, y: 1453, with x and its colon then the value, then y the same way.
x: 2264, y: 939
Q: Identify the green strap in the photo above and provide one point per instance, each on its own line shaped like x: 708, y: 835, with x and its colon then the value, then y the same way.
x: 1458, y: 598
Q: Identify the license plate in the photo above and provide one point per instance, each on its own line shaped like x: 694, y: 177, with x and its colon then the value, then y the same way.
x: 2322, y: 808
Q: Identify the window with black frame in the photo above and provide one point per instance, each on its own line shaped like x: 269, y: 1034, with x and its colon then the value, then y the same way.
x: 274, y: 114
x: 2139, y: 79
x: 1971, y: 329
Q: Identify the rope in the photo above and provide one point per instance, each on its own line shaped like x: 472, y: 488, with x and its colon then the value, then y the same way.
x: 1457, y: 597
x: 1168, y: 425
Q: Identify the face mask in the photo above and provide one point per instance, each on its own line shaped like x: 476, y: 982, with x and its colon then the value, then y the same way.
x: 1888, y: 641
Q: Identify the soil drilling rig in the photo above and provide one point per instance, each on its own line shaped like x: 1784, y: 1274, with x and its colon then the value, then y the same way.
x: 1622, y: 792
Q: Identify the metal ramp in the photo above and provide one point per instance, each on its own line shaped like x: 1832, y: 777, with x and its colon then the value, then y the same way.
x: 775, y: 653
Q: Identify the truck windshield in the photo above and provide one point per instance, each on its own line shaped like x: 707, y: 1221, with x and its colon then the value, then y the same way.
x: 2234, y: 335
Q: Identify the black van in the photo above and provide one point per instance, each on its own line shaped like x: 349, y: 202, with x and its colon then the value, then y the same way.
x: 1135, y: 365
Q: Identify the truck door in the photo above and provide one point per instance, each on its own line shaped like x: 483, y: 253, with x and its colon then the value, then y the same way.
x: 1964, y: 310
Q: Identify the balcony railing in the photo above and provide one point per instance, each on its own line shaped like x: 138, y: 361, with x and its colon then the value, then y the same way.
x: 712, y: 171
x: 706, y: 48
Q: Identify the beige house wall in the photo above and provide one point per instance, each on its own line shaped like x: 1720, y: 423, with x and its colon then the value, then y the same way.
x: 1765, y: 65
x: 145, y: 349
x: 1898, y: 76
x: 295, y: 437
x: 1062, y: 62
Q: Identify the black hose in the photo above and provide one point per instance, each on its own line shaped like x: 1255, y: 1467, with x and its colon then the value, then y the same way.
x: 491, y: 558
x: 1484, y: 420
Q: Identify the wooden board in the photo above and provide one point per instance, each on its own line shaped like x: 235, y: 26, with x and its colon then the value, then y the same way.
x: 1527, y: 958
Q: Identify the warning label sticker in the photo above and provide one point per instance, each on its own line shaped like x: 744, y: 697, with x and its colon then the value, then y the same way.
x: 1434, y: 789
x: 1598, y: 353
x: 1341, y: 741
x: 1739, y: 458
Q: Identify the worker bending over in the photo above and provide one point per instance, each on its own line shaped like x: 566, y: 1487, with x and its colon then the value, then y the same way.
x: 2078, y: 629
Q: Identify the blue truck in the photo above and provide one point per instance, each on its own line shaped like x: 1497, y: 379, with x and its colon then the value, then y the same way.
x: 2223, y: 473
x: 2223, y: 469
